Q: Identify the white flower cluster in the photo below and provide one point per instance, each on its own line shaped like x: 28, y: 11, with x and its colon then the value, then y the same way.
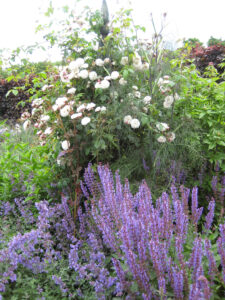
x: 46, y: 87
x: 138, y: 64
x: 162, y: 126
x: 163, y: 84
x: 75, y: 69
x: 25, y: 116
x: 100, y: 63
x: 37, y: 102
x: 134, y: 123
x: 170, y: 137
x: 168, y: 101
x: 104, y: 84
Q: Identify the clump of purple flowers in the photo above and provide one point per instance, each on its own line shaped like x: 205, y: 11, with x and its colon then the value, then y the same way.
x: 143, y: 236
x: 120, y: 245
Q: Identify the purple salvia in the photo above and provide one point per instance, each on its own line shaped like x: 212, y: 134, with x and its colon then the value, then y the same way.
x: 222, y: 233
x: 195, y: 211
x: 146, y: 297
x: 196, y: 258
x: 195, y: 293
x: 211, y: 260
x: 221, y: 248
x: 214, y: 183
x: 158, y: 254
x: 181, y: 220
x: 178, y: 283
x: 167, y: 218
x: 205, y: 287
x: 84, y: 190
x: 144, y: 206
x: 120, y: 273
x: 138, y: 272
x: 210, y: 215
x: 174, y: 193
x: 184, y: 199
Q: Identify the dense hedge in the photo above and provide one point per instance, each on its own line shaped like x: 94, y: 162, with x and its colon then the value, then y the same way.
x: 10, y: 109
x: 205, y: 56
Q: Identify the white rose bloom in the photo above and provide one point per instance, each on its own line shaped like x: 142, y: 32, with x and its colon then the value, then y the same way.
x: 44, y: 118
x: 55, y: 107
x: 39, y: 132
x: 145, y: 109
x: 64, y: 112
x: 37, y: 102
x: 137, y: 94
x: 168, y: 101
x: 44, y: 88
x: 161, y: 139
x: 93, y: 75
x: 98, y: 85
x: 107, y: 60
x: 98, y: 108
x: 137, y: 59
x: 103, y: 108
x: 160, y: 81
x: 26, y: 124
x: 25, y: 115
x: 105, y: 84
x: 115, y: 75
x: 166, y: 77
x: 127, y: 119
x: 65, y: 145
x: 124, y: 60
x: 61, y: 101
x: 48, y: 130
x: 34, y: 110
x: 162, y: 126
x: 135, y: 123
x: 171, y: 136
x: 84, y: 66
x: 85, y: 121
x: 99, y: 62
x: 71, y: 91
x: 122, y: 81
x: 74, y: 65
x: 83, y: 74
x: 64, y: 76
x: 145, y: 66
x: 138, y: 66
x: 73, y: 74
x: 76, y: 116
x: 166, y: 81
x: 71, y: 103
x: 147, y: 99
x: 81, y: 108
x: 90, y: 106
x: 134, y: 87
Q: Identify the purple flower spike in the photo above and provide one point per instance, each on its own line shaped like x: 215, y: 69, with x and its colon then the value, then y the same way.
x: 178, y: 283
x: 196, y: 258
x: 212, y: 263
x: 196, y: 212
x: 210, y: 215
